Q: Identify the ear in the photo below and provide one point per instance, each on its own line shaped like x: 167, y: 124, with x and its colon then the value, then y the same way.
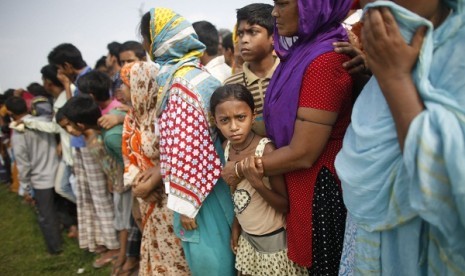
x: 67, y: 66
x: 81, y: 126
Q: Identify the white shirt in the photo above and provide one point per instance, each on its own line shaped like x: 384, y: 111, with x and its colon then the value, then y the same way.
x: 218, y: 68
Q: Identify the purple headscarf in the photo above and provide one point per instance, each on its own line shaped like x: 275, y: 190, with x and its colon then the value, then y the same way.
x: 319, y: 26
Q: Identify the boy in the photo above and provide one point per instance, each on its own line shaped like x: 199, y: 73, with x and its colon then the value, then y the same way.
x: 105, y: 146
x: 255, y: 33
x: 35, y: 154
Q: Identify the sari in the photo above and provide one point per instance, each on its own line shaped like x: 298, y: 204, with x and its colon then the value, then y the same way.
x: 190, y: 149
x: 407, y: 210
x: 161, y: 251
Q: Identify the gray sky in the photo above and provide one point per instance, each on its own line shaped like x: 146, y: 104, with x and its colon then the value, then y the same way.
x: 30, y: 29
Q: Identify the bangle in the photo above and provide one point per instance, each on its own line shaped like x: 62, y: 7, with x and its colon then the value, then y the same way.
x: 236, y: 170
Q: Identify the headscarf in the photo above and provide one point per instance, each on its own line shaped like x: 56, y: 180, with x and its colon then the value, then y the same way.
x: 319, y: 26
x: 176, y: 49
x: 416, y: 198
x: 140, y: 144
x: 174, y: 44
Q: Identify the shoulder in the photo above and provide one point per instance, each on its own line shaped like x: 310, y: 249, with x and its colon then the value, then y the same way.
x: 328, y: 61
x: 236, y: 78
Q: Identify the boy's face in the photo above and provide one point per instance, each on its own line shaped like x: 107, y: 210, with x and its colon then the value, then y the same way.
x: 254, y: 42
x: 70, y: 127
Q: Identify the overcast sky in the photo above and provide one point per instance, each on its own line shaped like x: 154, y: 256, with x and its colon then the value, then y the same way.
x: 30, y: 29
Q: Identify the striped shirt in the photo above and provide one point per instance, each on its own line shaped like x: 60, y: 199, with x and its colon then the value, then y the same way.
x: 257, y: 86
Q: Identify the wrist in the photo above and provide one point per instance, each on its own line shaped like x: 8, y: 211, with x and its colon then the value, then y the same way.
x: 238, y: 170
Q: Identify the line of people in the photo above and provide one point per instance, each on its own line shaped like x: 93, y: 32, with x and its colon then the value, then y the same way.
x: 252, y: 157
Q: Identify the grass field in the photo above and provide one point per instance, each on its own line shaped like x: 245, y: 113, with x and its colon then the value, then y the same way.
x: 22, y: 248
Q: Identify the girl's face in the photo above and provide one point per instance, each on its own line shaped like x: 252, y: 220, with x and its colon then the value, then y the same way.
x: 126, y: 93
x: 234, y: 119
x: 286, y: 13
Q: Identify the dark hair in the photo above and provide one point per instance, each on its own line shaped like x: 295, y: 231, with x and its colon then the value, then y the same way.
x: 234, y: 91
x: 9, y: 93
x: 101, y: 62
x: 96, y: 83
x: 66, y: 52
x: 82, y: 109
x: 49, y: 72
x: 113, y: 48
x: 208, y: 35
x: 60, y: 115
x: 135, y: 47
x: 259, y: 14
x: 37, y: 90
x: 16, y: 105
x: 144, y: 27
x: 228, y: 43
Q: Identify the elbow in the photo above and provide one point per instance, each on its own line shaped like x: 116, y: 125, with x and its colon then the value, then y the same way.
x: 304, y: 163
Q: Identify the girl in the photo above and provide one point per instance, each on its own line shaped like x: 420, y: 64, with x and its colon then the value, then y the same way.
x: 260, y: 203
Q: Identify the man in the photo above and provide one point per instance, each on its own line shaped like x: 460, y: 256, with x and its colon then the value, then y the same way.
x: 213, y: 62
x: 35, y: 154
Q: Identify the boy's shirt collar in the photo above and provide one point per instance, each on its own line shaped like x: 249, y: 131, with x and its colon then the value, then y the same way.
x: 250, y: 77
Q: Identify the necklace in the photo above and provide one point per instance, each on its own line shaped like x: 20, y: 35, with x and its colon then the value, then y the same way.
x: 239, y: 150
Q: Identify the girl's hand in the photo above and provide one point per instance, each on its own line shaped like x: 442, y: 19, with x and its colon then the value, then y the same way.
x: 388, y: 56
x: 252, y: 168
x: 235, y: 233
x: 357, y: 65
x: 188, y: 223
x: 229, y: 175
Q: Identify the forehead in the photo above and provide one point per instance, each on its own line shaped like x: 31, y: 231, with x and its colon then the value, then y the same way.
x: 232, y: 105
x: 244, y: 25
x: 127, y: 55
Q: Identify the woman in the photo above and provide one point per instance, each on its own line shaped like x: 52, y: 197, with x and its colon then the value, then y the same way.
x: 190, y: 151
x: 405, y: 160
x: 307, y: 110
x: 161, y: 250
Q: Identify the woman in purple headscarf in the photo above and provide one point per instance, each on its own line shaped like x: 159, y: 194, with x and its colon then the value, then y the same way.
x: 307, y: 110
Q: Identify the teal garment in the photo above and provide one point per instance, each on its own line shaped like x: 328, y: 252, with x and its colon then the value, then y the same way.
x: 112, y: 139
x: 409, y: 209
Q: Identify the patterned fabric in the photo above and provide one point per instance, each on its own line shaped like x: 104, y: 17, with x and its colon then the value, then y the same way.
x: 183, y: 105
x: 412, y: 220
x: 113, y: 170
x: 139, y: 134
x: 94, y: 204
x: 326, y: 86
x: 189, y: 149
x: 329, y: 216
x: 348, y: 252
x: 161, y: 251
x: 250, y: 261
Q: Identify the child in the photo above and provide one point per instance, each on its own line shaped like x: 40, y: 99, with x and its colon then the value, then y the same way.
x: 105, y: 146
x: 94, y: 200
x: 260, y: 203
x: 255, y: 41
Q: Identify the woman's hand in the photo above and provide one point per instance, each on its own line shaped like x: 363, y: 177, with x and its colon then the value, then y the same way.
x: 388, y: 56
x: 357, y: 65
x: 188, y: 223
x: 252, y: 168
x: 229, y: 175
x: 146, y: 182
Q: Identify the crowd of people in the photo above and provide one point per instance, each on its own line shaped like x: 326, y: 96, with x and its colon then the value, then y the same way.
x: 304, y: 142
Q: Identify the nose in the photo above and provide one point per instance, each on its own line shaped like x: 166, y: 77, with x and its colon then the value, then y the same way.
x: 274, y: 12
x: 233, y: 127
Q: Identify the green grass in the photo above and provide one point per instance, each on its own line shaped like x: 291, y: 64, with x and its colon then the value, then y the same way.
x: 22, y: 247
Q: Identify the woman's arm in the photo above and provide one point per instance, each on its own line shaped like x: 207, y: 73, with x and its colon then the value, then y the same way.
x: 311, y: 133
x: 277, y: 195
